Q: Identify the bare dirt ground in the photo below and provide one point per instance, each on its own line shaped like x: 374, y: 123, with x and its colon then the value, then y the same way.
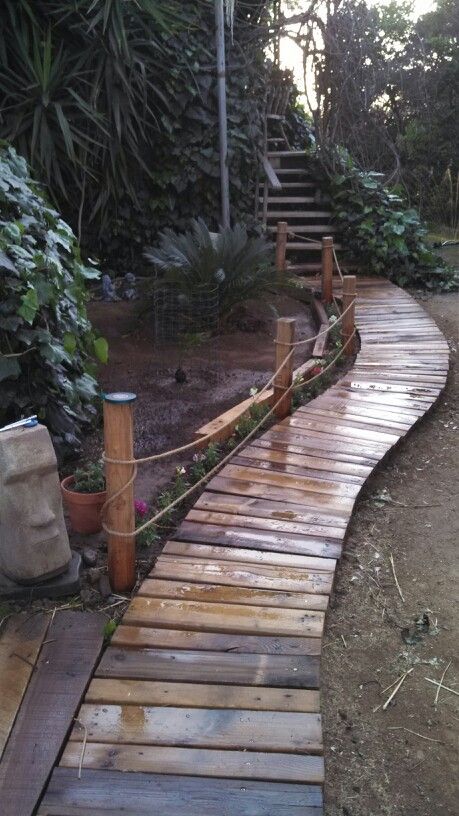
x: 375, y: 764
x: 220, y: 373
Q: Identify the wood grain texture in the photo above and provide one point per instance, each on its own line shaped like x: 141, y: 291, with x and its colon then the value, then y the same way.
x: 20, y: 642
x: 215, y: 593
x: 197, y: 762
x: 48, y: 708
x: 111, y: 793
x: 226, y: 668
x: 236, y: 729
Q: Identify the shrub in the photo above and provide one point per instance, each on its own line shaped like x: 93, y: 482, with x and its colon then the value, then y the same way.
x: 89, y: 479
x: 46, y: 341
x: 238, y: 264
x: 377, y: 231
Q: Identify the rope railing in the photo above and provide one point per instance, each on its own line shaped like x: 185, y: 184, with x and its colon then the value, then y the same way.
x: 164, y: 511
x: 122, y: 466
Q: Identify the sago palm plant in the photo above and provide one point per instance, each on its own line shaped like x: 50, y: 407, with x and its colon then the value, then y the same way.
x: 240, y: 265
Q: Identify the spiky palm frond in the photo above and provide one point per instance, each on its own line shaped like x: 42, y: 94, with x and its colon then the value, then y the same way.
x: 240, y: 265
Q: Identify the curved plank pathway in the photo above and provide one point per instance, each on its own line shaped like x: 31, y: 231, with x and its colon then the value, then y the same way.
x: 209, y: 693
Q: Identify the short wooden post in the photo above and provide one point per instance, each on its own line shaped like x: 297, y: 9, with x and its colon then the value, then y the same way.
x: 327, y: 269
x: 120, y: 515
x: 348, y: 321
x: 281, y: 246
x: 284, y: 338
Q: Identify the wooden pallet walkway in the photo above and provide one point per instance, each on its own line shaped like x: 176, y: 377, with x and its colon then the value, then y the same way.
x: 209, y: 693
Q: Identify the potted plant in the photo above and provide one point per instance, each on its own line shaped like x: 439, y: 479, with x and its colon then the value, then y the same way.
x: 84, y: 496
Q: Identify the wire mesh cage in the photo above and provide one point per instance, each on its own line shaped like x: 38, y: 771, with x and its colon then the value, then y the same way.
x: 178, y: 312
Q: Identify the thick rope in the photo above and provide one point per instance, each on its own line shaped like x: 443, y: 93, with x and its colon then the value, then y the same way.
x: 217, y: 467
x: 337, y: 264
x: 304, y: 238
x: 324, y: 331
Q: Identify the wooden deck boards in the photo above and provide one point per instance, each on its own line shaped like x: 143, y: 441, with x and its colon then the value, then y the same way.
x: 208, y: 695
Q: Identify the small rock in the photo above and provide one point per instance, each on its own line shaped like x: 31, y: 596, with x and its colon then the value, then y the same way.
x: 90, y: 557
x: 104, y: 586
x: 86, y: 597
x: 93, y: 576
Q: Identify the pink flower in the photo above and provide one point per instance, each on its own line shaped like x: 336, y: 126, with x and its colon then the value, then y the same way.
x: 141, y: 507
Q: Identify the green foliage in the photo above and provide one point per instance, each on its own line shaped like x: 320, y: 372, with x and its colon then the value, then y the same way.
x: 377, y: 231
x: 109, y: 629
x: 114, y: 104
x: 89, y: 479
x: 46, y: 341
x: 240, y: 266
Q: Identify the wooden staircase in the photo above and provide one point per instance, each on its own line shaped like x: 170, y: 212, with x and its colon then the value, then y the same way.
x: 297, y: 199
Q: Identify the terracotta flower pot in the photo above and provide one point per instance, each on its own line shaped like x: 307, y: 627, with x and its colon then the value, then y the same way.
x: 84, y: 508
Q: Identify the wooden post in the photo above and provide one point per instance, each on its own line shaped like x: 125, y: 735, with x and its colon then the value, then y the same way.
x: 119, y: 444
x: 348, y: 321
x: 285, y: 336
x: 281, y: 246
x: 327, y: 269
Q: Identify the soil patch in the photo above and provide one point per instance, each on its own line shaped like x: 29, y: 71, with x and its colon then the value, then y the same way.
x: 220, y: 371
x: 375, y: 765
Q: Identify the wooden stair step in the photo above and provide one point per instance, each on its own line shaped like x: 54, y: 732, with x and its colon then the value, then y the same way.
x: 280, y: 199
x: 325, y: 229
x: 288, y: 154
x: 306, y: 246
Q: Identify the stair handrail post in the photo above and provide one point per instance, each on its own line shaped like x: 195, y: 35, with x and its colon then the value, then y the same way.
x: 120, y: 513
x: 281, y: 247
x: 327, y: 269
x: 348, y: 321
x: 285, y: 334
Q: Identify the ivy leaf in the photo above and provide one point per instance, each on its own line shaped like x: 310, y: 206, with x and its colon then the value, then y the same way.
x: 70, y: 342
x: 9, y: 367
x: 101, y: 349
x: 29, y: 306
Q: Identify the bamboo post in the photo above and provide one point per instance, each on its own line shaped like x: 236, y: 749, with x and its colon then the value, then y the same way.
x: 284, y: 339
x: 348, y: 321
x: 281, y: 246
x: 119, y: 444
x: 327, y: 269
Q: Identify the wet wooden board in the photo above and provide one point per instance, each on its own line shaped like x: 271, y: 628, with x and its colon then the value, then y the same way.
x: 190, y: 695
x: 178, y: 549
x: 20, y: 643
x: 216, y: 593
x: 214, y: 617
x: 138, y: 637
x: 295, y: 470
x: 213, y: 674
x: 236, y: 729
x: 111, y: 793
x: 197, y: 762
x: 253, y: 576
x: 278, y: 525
x: 263, y: 508
x: 261, y: 539
x: 48, y: 708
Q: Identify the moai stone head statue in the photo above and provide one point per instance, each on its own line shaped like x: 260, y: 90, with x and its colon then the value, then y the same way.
x: 34, y: 544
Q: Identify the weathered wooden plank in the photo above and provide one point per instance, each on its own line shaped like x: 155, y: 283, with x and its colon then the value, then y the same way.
x: 197, y: 762
x: 261, y: 539
x: 278, y: 525
x: 48, y: 708
x: 235, y: 618
x: 295, y: 470
x: 198, y: 552
x: 193, y: 695
x: 222, y: 668
x: 257, y: 451
x: 20, y: 644
x: 283, y: 731
x: 321, y: 486
x: 111, y: 793
x: 216, y: 593
x: 259, y: 576
x: 341, y: 428
x: 138, y: 637
x: 263, y: 508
